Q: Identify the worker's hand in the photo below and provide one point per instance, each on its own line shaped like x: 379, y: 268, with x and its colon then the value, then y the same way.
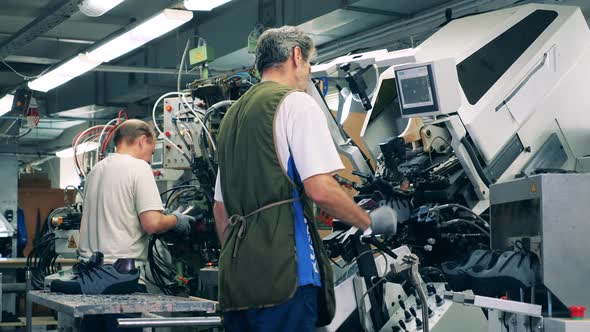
x: 183, y: 223
x: 383, y: 221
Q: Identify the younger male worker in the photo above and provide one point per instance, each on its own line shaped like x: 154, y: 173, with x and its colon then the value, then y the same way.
x: 122, y: 205
x: 277, y: 158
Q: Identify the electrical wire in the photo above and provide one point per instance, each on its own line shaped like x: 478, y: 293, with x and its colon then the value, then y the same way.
x: 176, y: 188
x: 182, y: 64
x: 28, y: 131
x: 176, y: 195
x: 188, y: 147
x: 79, y: 192
x: 379, y: 281
x: 162, y: 273
x: 200, y: 121
x: 203, y: 142
x: 108, y: 125
x: 461, y: 207
x: 10, y: 127
x: 26, y: 77
x: 465, y: 221
x: 362, y: 300
x: 87, y: 136
x: 352, y: 261
x: 182, y: 60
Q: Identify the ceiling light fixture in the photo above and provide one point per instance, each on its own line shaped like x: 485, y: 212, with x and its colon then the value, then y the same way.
x: 6, y: 104
x: 158, y: 25
x: 203, y: 5
x: 154, y: 27
x: 82, y: 148
x: 95, y: 8
x: 63, y: 73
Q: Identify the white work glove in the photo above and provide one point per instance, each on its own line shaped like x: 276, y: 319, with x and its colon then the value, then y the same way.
x: 183, y: 222
x: 383, y: 221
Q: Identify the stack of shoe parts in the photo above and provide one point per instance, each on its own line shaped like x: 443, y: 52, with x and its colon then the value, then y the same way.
x: 491, y: 273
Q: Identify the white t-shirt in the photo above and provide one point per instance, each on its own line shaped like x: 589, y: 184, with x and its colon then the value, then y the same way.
x: 117, y: 190
x: 305, y: 148
x: 302, y: 133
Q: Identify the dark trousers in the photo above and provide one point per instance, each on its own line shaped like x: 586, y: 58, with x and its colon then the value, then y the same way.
x: 299, y: 314
x: 108, y: 323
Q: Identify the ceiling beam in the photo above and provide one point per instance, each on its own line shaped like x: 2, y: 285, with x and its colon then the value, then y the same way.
x: 42, y: 24
x: 374, y: 11
x: 57, y: 39
x: 28, y: 14
x: 101, y: 68
x: 30, y: 60
x: 141, y: 70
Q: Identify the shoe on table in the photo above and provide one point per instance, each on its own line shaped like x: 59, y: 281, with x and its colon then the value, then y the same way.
x: 94, y: 277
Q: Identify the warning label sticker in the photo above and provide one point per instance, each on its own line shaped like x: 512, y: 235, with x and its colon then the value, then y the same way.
x: 72, y: 242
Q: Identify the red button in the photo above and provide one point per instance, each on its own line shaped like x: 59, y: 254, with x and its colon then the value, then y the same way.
x: 168, y: 108
x: 167, y: 134
x: 577, y: 311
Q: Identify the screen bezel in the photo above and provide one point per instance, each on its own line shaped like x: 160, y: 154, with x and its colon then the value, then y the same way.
x: 418, y: 110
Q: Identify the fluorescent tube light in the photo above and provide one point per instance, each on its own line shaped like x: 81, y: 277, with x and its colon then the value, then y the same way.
x: 203, y: 5
x: 167, y: 20
x: 6, y: 104
x: 82, y: 148
x: 96, y: 8
x: 63, y: 73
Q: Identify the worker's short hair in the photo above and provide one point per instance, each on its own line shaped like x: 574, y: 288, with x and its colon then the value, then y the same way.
x: 130, y: 130
x: 275, y: 46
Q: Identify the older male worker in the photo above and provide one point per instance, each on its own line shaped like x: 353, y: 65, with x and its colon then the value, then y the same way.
x: 276, y: 157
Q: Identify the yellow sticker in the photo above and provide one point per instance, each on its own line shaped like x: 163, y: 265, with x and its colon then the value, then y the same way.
x: 72, y: 243
x: 533, y: 188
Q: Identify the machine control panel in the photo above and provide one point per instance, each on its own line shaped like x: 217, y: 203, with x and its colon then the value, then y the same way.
x: 406, y: 314
x: 183, y: 134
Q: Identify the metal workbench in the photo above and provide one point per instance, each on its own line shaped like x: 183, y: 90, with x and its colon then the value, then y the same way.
x: 72, y: 308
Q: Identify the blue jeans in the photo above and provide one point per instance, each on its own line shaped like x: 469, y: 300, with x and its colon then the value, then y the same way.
x: 299, y: 314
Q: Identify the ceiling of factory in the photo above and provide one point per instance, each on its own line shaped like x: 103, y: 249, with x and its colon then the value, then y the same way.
x: 135, y: 80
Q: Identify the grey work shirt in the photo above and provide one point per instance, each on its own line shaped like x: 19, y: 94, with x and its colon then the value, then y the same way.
x: 117, y: 190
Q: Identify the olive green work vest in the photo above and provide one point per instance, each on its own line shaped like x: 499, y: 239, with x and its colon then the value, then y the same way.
x: 259, y: 269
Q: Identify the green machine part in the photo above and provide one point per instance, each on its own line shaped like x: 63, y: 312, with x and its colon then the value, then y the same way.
x: 201, y: 55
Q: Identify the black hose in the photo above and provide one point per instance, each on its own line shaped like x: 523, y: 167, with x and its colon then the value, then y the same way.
x: 465, y: 221
x: 204, y: 143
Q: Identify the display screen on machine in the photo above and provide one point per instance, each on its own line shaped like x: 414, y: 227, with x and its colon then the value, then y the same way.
x: 415, y: 87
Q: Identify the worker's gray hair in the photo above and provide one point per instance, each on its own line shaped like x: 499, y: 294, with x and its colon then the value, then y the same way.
x: 275, y: 46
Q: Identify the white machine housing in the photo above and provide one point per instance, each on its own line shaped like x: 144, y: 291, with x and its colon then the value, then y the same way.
x: 521, y: 74
x: 532, y: 107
